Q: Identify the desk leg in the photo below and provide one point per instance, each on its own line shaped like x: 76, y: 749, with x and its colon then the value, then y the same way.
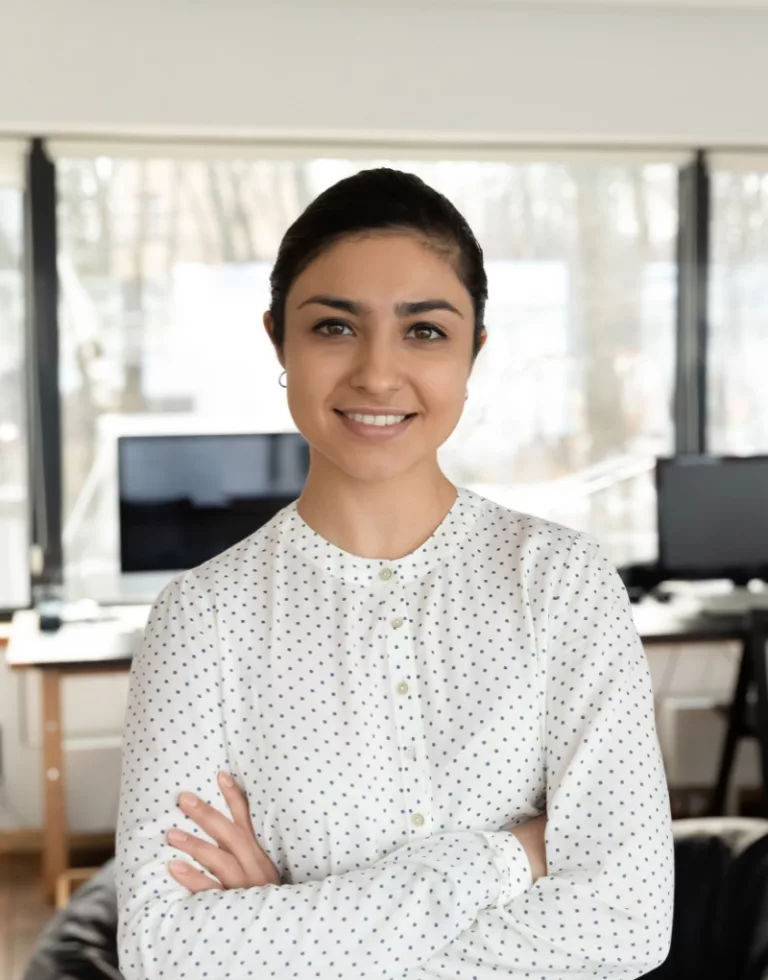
x: 758, y: 641
x: 734, y: 731
x: 55, y: 843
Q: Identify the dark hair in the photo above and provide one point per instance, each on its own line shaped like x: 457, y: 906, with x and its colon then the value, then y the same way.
x: 376, y: 200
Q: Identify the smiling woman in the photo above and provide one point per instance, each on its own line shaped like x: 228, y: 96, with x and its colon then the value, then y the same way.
x: 436, y: 710
x: 376, y: 391
x: 344, y: 375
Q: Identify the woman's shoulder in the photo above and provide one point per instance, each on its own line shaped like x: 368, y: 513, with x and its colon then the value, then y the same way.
x: 501, y: 526
x: 555, y: 562
x: 247, y: 563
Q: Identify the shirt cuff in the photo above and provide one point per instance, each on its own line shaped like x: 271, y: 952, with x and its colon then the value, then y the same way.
x: 511, y: 862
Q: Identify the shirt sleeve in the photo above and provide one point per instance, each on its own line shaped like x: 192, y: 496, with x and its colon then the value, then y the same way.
x: 378, y: 921
x: 604, y: 909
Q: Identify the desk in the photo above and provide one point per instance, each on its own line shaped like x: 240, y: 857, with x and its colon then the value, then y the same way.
x: 107, y: 646
x: 682, y: 621
x: 97, y: 647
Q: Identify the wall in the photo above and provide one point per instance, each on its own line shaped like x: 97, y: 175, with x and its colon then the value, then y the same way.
x: 543, y: 72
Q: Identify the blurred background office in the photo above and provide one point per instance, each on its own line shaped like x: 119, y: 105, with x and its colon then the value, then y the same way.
x: 612, y: 159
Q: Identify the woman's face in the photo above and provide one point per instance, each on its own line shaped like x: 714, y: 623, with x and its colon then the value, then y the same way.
x: 377, y: 353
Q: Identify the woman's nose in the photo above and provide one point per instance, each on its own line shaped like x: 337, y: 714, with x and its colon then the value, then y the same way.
x: 377, y: 368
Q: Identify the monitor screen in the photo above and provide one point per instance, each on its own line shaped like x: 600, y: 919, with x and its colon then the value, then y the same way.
x: 186, y: 498
x: 713, y: 516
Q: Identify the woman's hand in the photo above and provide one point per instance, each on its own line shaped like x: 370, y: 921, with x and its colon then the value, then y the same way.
x: 238, y: 862
x: 531, y: 836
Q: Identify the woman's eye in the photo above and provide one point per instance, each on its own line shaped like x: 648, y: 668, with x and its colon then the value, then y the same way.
x: 426, y: 331
x: 333, y: 328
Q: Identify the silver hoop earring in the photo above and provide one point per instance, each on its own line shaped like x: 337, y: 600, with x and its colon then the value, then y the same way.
x: 280, y: 380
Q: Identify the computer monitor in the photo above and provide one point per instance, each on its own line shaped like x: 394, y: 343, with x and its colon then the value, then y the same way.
x: 713, y: 517
x: 185, y: 498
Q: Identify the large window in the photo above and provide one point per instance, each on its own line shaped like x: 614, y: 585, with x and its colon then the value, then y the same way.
x: 14, y: 567
x: 738, y: 347
x: 164, y: 268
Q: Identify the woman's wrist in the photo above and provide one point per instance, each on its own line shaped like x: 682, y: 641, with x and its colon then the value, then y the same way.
x: 531, y: 835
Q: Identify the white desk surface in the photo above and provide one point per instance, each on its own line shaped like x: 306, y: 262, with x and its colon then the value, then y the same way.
x: 113, y: 637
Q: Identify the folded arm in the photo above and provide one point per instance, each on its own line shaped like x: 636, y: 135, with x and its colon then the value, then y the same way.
x: 604, y: 908
x: 379, y: 921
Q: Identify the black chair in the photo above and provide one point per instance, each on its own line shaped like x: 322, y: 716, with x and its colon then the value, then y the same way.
x: 720, y: 926
x: 80, y: 941
x: 720, y: 929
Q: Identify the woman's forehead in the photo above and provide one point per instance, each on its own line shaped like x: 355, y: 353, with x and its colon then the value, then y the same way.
x: 397, y: 266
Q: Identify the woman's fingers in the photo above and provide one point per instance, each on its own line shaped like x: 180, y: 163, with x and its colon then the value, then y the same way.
x: 232, y: 838
x: 225, y: 866
x: 258, y: 860
x: 193, y: 879
x: 236, y: 801
x: 209, y: 819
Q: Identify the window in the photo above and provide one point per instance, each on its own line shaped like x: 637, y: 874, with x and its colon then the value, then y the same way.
x: 14, y: 536
x: 738, y: 348
x: 164, y: 269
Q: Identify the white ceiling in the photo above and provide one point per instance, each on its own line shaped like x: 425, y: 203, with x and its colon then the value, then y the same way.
x: 721, y: 5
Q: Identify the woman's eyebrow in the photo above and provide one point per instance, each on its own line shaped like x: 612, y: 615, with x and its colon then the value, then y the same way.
x: 425, y: 306
x: 337, y: 303
x: 401, y: 309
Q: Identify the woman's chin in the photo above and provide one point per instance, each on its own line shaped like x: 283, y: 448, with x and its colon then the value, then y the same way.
x: 377, y: 467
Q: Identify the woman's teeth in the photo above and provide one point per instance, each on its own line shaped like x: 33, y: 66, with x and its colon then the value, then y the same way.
x: 375, y: 419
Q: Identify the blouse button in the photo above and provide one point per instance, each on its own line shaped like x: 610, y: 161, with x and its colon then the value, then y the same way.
x: 385, y: 574
x: 396, y: 623
x: 417, y: 820
x: 402, y: 687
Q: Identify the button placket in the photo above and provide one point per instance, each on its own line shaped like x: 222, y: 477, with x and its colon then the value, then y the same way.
x: 410, y: 735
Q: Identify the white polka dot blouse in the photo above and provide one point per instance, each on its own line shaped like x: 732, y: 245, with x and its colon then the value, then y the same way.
x: 388, y: 721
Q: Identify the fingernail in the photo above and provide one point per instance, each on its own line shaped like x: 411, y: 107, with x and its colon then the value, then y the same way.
x: 176, y: 836
x: 225, y: 779
x: 178, y: 867
x: 188, y: 799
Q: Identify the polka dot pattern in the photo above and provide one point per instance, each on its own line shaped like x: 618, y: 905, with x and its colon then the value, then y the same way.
x: 388, y: 720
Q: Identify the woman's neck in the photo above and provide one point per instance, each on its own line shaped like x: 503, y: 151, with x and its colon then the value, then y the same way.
x: 375, y: 519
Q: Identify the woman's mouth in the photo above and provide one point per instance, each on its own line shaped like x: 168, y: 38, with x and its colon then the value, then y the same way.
x: 379, y: 425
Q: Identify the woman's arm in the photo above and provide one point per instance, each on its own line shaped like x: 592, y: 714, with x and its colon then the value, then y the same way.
x: 379, y: 921
x: 604, y: 907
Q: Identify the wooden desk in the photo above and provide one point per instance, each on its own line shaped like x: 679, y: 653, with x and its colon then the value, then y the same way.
x: 88, y: 648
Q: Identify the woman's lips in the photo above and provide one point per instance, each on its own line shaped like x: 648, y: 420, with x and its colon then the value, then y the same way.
x: 377, y: 432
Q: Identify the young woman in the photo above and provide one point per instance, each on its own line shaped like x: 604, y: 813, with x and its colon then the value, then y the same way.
x: 400, y: 731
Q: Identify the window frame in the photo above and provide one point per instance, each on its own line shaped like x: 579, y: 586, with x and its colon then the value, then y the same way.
x: 43, y: 422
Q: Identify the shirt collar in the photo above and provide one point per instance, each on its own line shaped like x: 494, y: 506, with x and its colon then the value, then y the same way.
x: 436, y: 550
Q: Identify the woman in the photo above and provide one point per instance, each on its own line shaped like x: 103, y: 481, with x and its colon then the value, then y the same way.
x: 436, y: 711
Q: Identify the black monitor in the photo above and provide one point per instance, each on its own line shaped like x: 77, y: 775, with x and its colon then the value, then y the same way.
x: 713, y: 517
x: 186, y: 498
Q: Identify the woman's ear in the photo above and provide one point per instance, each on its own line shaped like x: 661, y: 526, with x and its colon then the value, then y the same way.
x: 269, y: 326
x: 480, y: 344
